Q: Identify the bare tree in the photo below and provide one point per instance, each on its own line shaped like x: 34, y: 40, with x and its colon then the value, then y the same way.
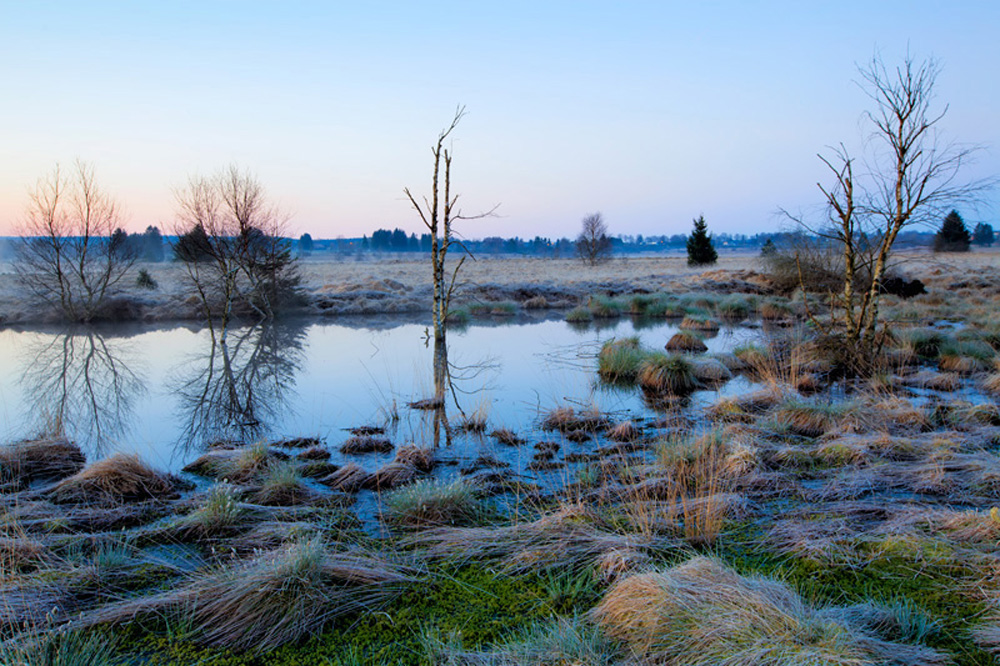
x: 438, y: 213
x: 69, y: 256
x: 232, y: 242
x: 909, y: 176
x: 593, y: 245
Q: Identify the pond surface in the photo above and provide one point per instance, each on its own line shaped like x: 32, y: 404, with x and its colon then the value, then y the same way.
x: 165, y: 392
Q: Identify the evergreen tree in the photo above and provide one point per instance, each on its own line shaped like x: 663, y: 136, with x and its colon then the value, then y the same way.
x: 769, y: 249
x: 699, y: 245
x: 305, y: 243
x: 194, y: 245
x: 953, y: 236
x: 152, y: 244
x: 983, y: 235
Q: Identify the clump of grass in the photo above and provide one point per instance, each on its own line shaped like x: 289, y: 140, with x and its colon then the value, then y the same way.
x: 61, y: 647
x: 273, y: 599
x: 282, y: 485
x: 569, y: 539
x: 23, y: 462
x: 567, y: 419
x: 476, y: 420
x: 580, y: 315
x: 349, y: 478
x: 536, y: 303
x: 695, y: 323
x: 965, y: 357
x: 432, y: 502
x: 924, y: 342
x: 774, y: 310
x: 702, y: 613
x: 666, y: 307
x: 626, y: 431
x: 619, y: 360
x: 810, y: 418
x: 504, y: 309
x: 734, y: 307
x: 604, y: 307
x: 360, y: 444
x: 237, y: 465
x: 639, y: 304
x: 418, y: 456
x: 666, y: 373
x: 220, y: 513
x: 120, y: 478
x: 458, y: 317
x: 685, y: 341
x: 506, y: 436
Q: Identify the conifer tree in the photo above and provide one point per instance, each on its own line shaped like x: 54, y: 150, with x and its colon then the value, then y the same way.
x: 983, y: 235
x: 699, y: 245
x: 953, y: 236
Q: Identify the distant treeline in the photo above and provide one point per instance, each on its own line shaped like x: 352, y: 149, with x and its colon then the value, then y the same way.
x: 152, y: 246
x: 397, y: 240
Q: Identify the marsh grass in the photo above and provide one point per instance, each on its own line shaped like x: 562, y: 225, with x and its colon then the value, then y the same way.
x: 432, y: 502
x: 580, y: 315
x: 686, y: 341
x: 275, y: 598
x: 619, y: 360
x: 664, y: 373
x: 605, y: 307
x: 48, y: 457
x: 701, y: 612
x: 120, y: 478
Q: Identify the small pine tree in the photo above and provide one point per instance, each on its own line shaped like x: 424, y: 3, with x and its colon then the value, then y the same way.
x: 769, y: 249
x: 194, y: 245
x: 953, y: 236
x: 983, y: 235
x: 699, y: 245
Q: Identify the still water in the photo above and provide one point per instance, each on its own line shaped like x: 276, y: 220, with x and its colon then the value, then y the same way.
x: 164, y: 392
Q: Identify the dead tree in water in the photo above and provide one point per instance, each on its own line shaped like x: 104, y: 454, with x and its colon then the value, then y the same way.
x: 438, y: 213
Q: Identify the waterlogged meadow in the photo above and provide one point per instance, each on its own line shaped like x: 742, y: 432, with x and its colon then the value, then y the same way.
x: 642, y: 479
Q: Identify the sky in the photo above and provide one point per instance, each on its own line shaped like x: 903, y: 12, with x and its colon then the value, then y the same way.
x: 650, y: 112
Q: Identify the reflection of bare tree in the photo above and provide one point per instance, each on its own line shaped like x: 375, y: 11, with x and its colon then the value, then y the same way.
x: 448, y: 382
x: 79, y: 384
x: 241, y: 383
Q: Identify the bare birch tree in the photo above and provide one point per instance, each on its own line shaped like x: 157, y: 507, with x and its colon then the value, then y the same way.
x: 908, y: 175
x: 67, y: 257
x: 593, y: 245
x: 233, y: 246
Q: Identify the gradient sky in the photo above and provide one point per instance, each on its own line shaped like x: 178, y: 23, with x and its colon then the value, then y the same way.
x: 651, y: 112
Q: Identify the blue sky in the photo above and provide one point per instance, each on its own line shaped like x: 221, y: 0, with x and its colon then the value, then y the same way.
x: 651, y: 112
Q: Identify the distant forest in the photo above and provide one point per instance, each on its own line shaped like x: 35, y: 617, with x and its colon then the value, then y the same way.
x: 397, y: 240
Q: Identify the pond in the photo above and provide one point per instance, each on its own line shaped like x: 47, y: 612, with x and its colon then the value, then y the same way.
x: 166, y: 392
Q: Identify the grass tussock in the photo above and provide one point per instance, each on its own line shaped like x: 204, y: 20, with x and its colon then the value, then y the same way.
x: 115, y: 480
x: 619, y: 360
x: 360, y: 444
x: 349, y: 479
x: 685, y: 341
x: 567, y: 419
x: 810, y: 418
x: 695, y: 323
x: 432, y: 502
x: 23, y: 462
x: 664, y: 373
x: 702, y: 613
x: 276, y: 598
x: 241, y: 465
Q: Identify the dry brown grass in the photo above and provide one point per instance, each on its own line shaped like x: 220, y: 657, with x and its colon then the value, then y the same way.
x: 25, y: 461
x: 684, y: 341
x: 366, y: 444
x: 120, y: 478
x: 350, y: 478
x: 701, y: 613
x: 567, y: 419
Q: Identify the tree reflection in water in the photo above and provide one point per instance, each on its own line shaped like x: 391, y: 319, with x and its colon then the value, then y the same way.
x: 80, y: 384
x: 240, y: 386
x: 450, y: 383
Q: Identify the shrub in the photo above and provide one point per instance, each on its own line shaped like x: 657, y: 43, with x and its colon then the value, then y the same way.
x: 145, y: 280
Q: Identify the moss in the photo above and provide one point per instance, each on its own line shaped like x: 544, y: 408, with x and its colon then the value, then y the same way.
x: 482, y: 606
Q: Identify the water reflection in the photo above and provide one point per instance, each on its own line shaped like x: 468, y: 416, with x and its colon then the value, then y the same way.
x: 241, y: 385
x: 82, y: 384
